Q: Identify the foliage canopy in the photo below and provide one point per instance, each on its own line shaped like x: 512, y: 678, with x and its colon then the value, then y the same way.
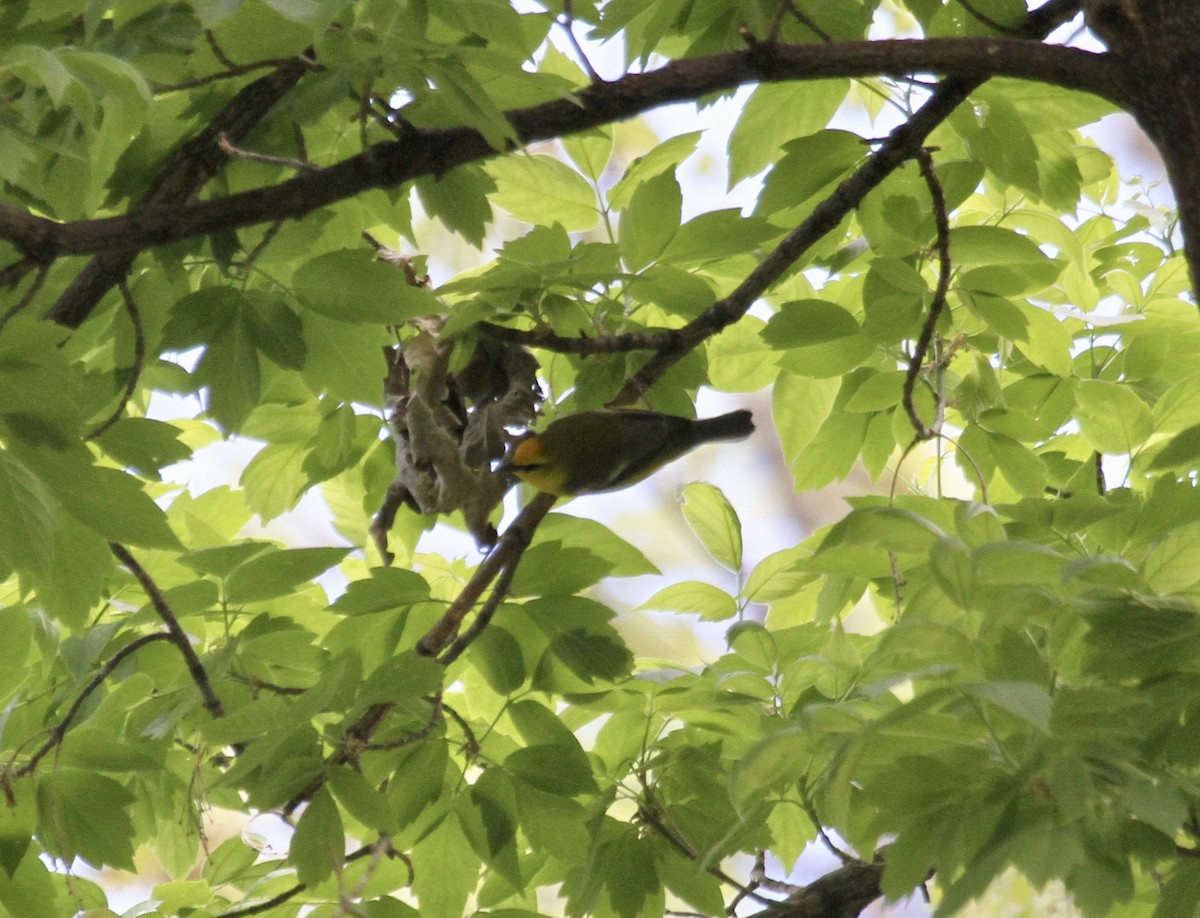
x: 211, y: 199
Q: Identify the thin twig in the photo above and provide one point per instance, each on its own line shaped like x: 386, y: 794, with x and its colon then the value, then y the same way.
x: 266, y: 905
x: 178, y: 637
x: 227, y: 147
x: 60, y: 729
x: 139, y: 361
x: 758, y: 877
x: 231, y: 69
x: 11, y: 275
x: 260, y: 247
x: 988, y: 20
x: 378, y: 850
x: 415, y: 736
x: 917, y: 360
x: 470, y: 742
x: 484, y: 615
x: 567, y: 24
x: 508, y: 550
x: 649, y: 817
x: 28, y: 295
x: 804, y: 19
x: 811, y: 812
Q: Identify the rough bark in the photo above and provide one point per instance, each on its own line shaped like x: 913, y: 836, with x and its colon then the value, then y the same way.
x: 1158, y: 45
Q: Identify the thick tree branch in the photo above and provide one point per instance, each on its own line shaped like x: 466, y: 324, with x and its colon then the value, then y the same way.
x: 904, y: 143
x: 184, y: 174
x: 841, y: 893
x: 1158, y: 44
x: 434, y: 152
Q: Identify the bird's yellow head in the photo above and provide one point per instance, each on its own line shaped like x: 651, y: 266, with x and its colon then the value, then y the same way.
x: 532, y: 465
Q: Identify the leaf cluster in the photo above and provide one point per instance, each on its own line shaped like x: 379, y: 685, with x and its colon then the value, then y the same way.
x: 1023, y: 691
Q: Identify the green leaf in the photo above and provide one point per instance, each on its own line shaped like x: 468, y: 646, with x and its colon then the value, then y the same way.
x: 1181, y: 451
x: 459, y: 199
x: 109, y: 501
x: 1017, y: 563
x: 715, y: 523
x: 1181, y: 892
x: 651, y: 220
x: 500, y: 660
x: 952, y: 568
x: 30, y: 515
x: 277, y: 573
x: 1111, y: 416
x: 274, y: 480
x: 554, y: 769
x: 775, y: 113
x: 541, y: 190
x: 739, y: 360
x: 31, y: 891
x: 590, y: 656
x: 771, y: 762
x: 579, y: 532
x: 630, y: 875
x: 145, y: 445
x: 714, y: 235
x: 1173, y: 563
x: 778, y: 575
x: 694, y: 597
x: 86, y: 816
x: 387, y: 588
x: 822, y: 338
x: 18, y: 822
x: 591, y: 151
x: 892, y: 528
x: 342, y: 360
x: 355, y: 286
x: 319, y: 843
x: 800, y: 405
x: 667, y: 155
x: 362, y: 801
x: 808, y: 165
x: 445, y: 870
x: 402, y: 678
x: 40, y: 393
x: 1030, y: 702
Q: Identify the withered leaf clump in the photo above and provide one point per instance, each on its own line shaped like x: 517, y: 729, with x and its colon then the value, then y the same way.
x: 449, y: 427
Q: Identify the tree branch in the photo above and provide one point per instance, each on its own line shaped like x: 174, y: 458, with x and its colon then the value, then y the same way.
x: 436, y: 151
x: 184, y: 174
x: 178, y: 637
x: 925, y: 339
x: 547, y: 340
x: 841, y: 893
x: 506, y: 554
x: 900, y: 146
x: 60, y: 730
x: 135, y: 371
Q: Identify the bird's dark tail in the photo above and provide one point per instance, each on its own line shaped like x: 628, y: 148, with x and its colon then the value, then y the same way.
x: 732, y: 426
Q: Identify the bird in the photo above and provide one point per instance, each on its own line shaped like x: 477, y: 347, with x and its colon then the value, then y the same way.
x: 607, y: 449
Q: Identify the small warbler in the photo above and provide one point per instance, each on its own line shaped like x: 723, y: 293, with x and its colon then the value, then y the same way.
x: 608, y: 449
